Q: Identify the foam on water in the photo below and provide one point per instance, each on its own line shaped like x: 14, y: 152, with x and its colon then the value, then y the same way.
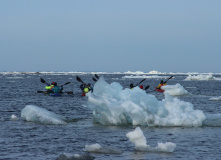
x: 174, y: 90
x: 140, y: 142
x: 36, y: 114
x: 113, y: 105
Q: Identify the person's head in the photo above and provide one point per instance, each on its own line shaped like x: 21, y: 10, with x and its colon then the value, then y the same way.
x: 131, y: 85
x: 89, y: 84
x: 141, y: 86
x: 55, y: 84
x: 52, y: 83
x: 161, y: 82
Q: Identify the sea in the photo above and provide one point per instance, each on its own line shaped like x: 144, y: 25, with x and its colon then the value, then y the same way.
x: 184, y: 123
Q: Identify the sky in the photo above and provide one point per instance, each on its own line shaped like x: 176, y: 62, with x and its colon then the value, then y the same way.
x: 110, y: 36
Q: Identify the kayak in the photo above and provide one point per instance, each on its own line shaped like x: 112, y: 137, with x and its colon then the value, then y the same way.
x: 55, y: 94
x: 159, y: 90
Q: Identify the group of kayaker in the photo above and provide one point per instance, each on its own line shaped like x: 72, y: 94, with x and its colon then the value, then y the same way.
x: 85, y: 88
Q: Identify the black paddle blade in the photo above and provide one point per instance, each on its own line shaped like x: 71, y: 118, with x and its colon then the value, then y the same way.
x: 40, y: 91
x: 69, y: 92
x: 168, y: 79
x: 66, y: 83
x: 94, y: 80
x: 42, y: 80
x: 78, y: 79
x: 147, y: 87
x: 140, y: 82
x: 96, y: 76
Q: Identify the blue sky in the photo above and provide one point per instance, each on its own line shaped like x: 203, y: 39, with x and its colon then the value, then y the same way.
x: 110, y: 36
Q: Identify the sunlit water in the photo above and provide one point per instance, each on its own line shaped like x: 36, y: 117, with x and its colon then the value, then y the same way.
x: 34, y: 140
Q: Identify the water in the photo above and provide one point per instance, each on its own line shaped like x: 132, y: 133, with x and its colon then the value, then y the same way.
x: 30, y: 140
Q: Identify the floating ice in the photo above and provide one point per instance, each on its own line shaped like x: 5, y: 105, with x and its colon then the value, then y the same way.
x: 40, y: 115
x: 215, y: 99
x: 113, y: 105
x: 174, y: 90
x: 13, y: 118
x: 213, y: 120
x: 69, y: 156
x: 201, y: 77
x: 139, y: 140
x: 97, y: 148
x: 146, y: 76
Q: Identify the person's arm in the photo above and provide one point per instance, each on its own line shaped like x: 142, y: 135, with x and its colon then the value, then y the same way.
x: 158, y: 87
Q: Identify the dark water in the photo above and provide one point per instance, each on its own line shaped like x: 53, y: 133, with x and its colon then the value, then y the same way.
x: 28, y: 140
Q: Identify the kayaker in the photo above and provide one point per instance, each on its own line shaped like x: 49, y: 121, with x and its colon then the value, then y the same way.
x: 131, y: 86
x: 49, y: 88
x: 56, y: 89
x: 161, y: 84
x: 88, y: 88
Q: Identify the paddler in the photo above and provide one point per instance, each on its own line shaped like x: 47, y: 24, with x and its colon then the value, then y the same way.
x: 131, y: 86
x: 56, y: 89
x: 161, y: 84
x: 88, y: 88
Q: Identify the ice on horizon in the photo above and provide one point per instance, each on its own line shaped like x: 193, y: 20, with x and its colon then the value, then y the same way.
x: 113, y: 105
x: 201, y: 77
x: 137, y: 137
x: 101, y: 72
x: 36, y: 114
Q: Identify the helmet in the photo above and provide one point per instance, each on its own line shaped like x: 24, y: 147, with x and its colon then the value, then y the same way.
x: 141, y: 87
x: 161, y: 81
x: 55, y: 84
x: 52, y: 83
x: 89, y: 84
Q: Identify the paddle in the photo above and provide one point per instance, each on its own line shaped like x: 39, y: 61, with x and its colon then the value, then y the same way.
x: 43, y: 81
x: 94, y: 80
x: 140, y: 82
x: 68, y: 92
x: 147, y: 87
x: 79, y: 80
x: 168, y: 79
x: 96, y: 76
x: 66, y: 83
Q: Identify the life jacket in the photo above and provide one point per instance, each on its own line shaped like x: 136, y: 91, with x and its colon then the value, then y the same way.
x: 86, y: 90
x: 160, y: 85
x: 49, y: 87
